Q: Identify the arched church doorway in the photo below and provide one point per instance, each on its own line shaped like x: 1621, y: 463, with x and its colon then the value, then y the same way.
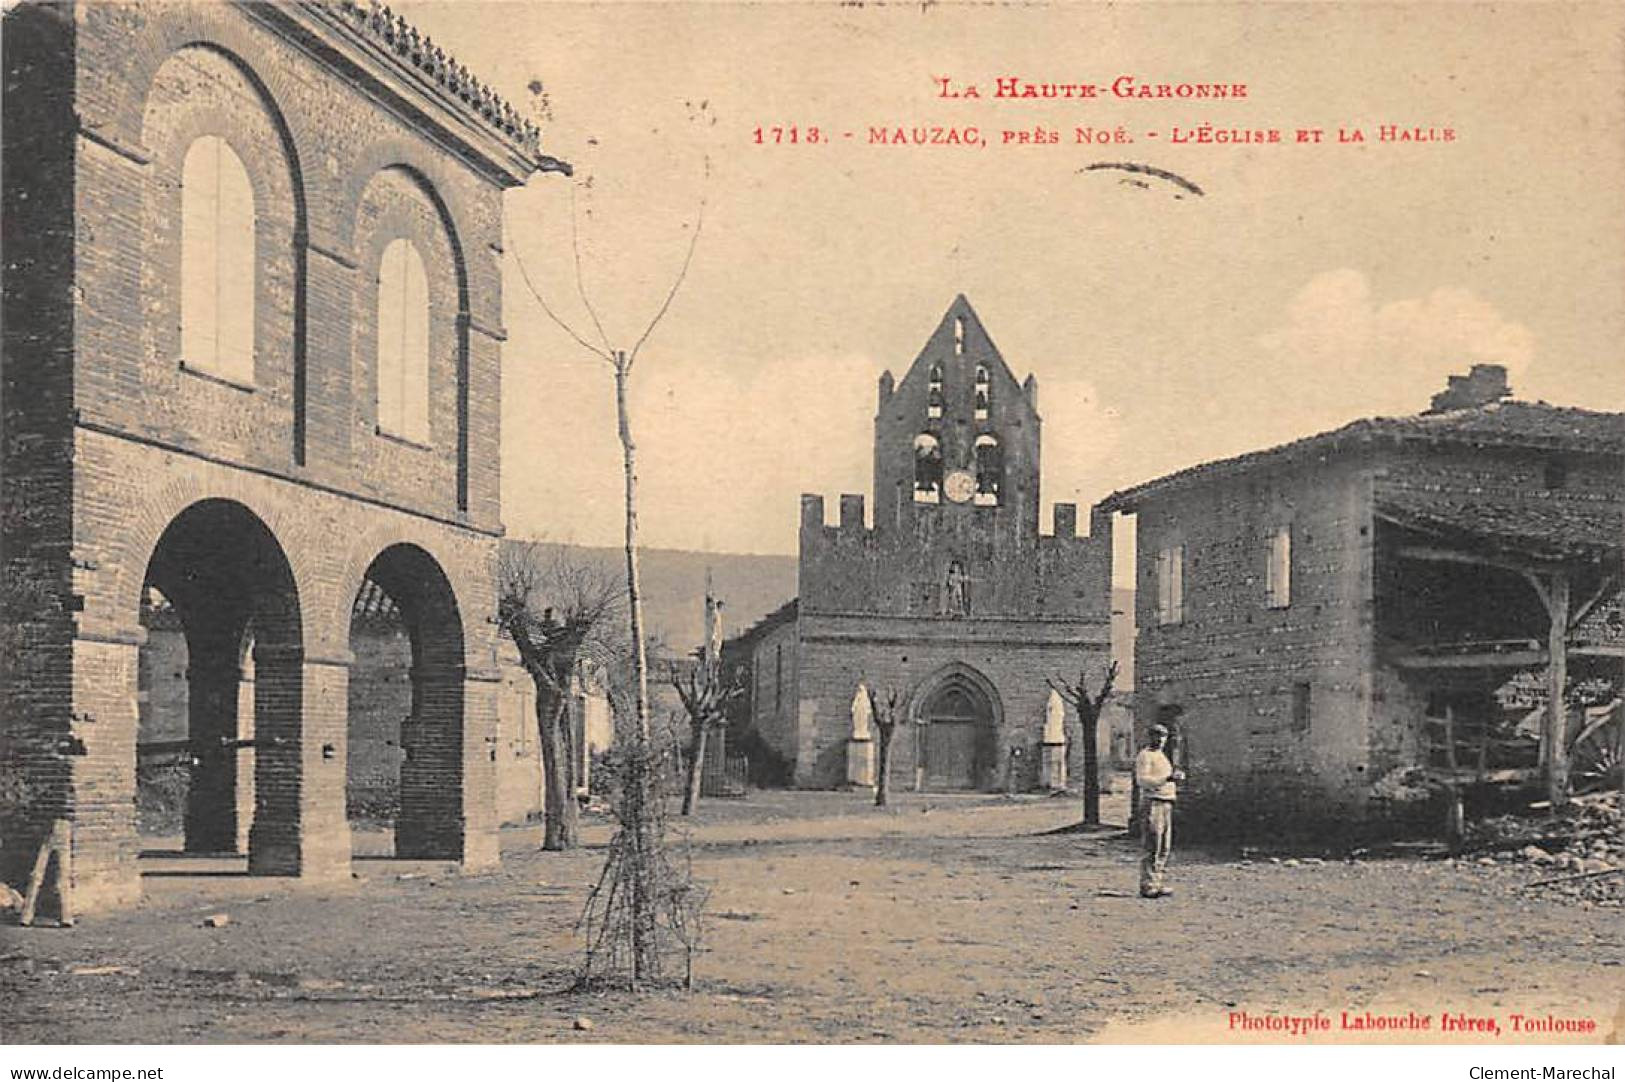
x: 957, y: 735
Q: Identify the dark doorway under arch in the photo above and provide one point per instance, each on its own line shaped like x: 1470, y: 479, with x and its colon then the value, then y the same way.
x: 405, y: 727
x: 226, y: 730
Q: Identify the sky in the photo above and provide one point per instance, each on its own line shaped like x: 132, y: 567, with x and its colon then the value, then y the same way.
x: 1309, y: 284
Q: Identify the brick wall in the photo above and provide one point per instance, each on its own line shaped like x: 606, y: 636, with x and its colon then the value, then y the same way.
x: 110, y: 438
x: 870, y: 600
x: 379, y: 702
x: 335, y: 178
x: 38, y: 377
x: 1010, y: 661
x: 520, y: 784
x: 1508, y: 472
x: 1233, y: 664
x: 772, y: 697
x: 849, y: 568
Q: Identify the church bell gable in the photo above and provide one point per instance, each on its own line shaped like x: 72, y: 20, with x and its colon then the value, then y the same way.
x: 958, y: 435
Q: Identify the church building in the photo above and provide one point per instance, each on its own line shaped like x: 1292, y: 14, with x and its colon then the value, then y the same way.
x: 949, y: 598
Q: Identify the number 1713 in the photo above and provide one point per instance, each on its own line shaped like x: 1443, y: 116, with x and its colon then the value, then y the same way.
x: 792, y: 134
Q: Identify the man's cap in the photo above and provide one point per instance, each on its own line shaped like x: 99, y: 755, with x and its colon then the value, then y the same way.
x: 1159, y: 729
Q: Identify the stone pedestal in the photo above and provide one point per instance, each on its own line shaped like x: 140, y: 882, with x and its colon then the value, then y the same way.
x: 1052, y: 767
x: 860, y: 763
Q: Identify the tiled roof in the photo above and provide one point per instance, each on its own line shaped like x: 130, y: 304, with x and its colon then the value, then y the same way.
x: 371, y: 601
x: 1533, y: 425
x: 415, y: 51
x: 1551, y: 525
x: 1522, y: 424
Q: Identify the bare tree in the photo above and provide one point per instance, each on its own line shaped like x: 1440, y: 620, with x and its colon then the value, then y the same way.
x: 1089, y: 705
x: 636, y: 869
x: 621, y: 363
x: 645, y: 904
x: 884, y: 715
x: 558, y: 610
x: 705, y: 692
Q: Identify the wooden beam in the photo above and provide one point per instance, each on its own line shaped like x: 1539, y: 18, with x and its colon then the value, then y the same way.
x: 1459, y: 556
x: 1502, y: 776
x: 1531, y: 571
x: 1554, y: 749
x: 1521, y: 562
x: 1511, y: 659
x: 1508, y: 659
x: 1606, y: 589
x: 1541, y: 590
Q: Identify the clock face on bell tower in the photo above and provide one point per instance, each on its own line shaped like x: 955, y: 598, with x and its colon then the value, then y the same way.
x: 959, y: 486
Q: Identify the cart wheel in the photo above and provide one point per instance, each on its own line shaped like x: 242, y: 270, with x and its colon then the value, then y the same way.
x: 1594, y: 757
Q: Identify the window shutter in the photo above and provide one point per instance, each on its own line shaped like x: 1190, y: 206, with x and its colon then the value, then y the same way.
x: 1280, y: 568
x: 403, y: 342
x: 217, y: 260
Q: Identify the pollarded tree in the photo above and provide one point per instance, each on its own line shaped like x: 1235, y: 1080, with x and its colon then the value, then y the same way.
x: 1089, y: 706
x: 884, y: 715
x: 560, y: 611
x: 706, y: 692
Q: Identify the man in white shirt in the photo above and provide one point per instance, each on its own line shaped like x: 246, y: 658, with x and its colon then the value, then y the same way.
x: 1156, y: 777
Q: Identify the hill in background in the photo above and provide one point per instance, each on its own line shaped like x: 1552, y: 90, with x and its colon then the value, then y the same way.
x: 674, y: 587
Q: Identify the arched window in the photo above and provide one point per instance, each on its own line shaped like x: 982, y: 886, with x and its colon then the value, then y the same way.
x: 403, y: 343
x: 927, y: 469
x: 217, y: 261
x: 933, y: 393
x: 984, y: 392
x: 989, y: 470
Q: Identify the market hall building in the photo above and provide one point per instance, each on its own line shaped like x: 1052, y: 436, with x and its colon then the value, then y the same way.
x: 251, y: 365
x: 950, y: 598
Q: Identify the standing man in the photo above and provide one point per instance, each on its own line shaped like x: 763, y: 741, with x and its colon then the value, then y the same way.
x: 1155, y: 775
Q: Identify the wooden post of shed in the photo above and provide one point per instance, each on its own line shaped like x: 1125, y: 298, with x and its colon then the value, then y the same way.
x: 1553, y: 735
x: 1455, y: 818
